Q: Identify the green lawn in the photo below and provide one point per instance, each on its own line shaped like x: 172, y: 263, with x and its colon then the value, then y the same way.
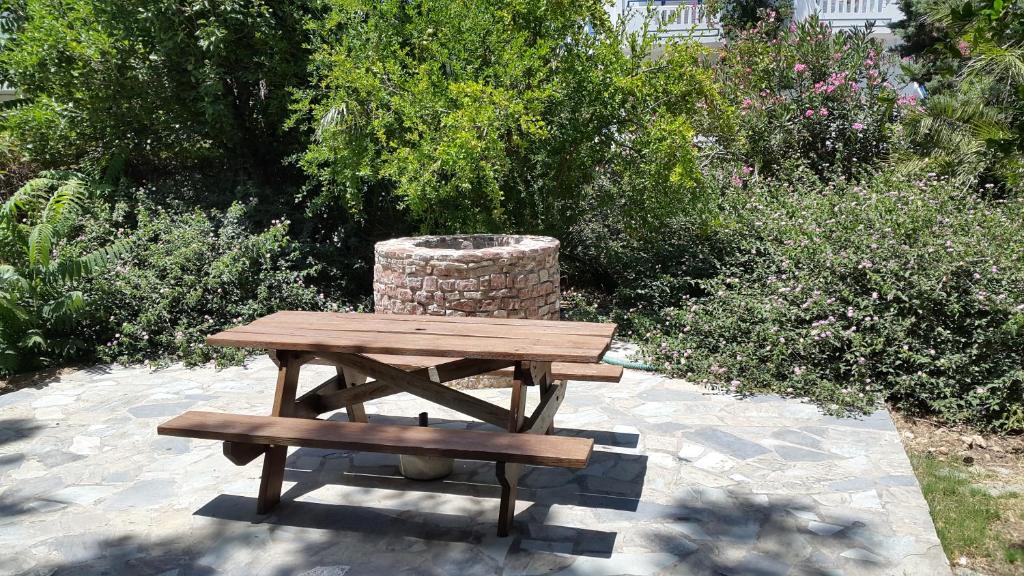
x: 972, y: 523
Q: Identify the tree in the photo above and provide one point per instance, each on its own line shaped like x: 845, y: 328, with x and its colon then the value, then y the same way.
x: 500, y: 115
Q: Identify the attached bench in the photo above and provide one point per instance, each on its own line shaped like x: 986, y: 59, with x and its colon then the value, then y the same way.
x: 503, y: 448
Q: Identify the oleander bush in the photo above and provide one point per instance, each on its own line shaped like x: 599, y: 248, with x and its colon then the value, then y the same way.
x: 809, y: 96
x: 903, y: 290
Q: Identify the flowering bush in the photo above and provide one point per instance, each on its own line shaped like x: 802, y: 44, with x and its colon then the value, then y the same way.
x: 809, y: 95
x: 194, y: 274
x: 909, y: 291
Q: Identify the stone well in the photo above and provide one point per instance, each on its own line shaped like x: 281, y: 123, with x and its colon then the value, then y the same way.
x: 495, y: 275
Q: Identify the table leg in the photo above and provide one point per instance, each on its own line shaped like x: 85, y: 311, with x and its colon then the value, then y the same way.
x: 347, y: 379
x: 508, y: 473
x: 274, y: 459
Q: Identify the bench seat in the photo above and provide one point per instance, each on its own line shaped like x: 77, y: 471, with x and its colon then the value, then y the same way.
x: 270, y: 435
x: 532, y: 449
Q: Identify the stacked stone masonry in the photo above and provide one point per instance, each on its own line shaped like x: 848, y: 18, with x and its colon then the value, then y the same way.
x: 499, y: 276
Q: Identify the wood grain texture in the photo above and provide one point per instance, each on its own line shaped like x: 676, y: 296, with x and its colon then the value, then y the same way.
x: 284, y: 405
x: 543, y: 417
x: 350, y: 379
x: 567, y: 327
x: 466, y: 444
x: 588, y: 372
x: 483, y: 338
x: 418, y: 384
x: 242, y: 454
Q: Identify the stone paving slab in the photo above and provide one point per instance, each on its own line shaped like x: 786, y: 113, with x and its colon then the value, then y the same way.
x: 682, y: 481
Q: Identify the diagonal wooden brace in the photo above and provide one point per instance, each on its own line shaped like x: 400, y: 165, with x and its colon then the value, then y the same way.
x: 427, y: 383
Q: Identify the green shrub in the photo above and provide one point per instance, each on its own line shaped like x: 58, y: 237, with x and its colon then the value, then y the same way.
x: 137, y: 87
x: 41, y: 269
x: 192, y: 274
x: 908, y: 291
x: 501, y: 115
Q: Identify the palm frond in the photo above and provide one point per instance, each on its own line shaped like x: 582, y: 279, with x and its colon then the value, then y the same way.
x: 1000, y: 64
x: 65, y: 205
x: 84, y: 266
x: 33, y: 339
x: 10, y: 279
x: 64, y: 306
x: 33, y: 194
x: 40, y: 244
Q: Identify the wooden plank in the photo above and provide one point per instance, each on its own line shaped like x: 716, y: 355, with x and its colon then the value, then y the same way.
x: 566, y: 340
x: 351, y: 379
x: 284, y: 405
x: 267, y: 333
x: 242, y: 454
x: 418, y: 385
x: 383, y: 324
x: 415, y: 345
x: 543, y: 416
x: 355, y: 395
x: 598, y: 372
x: 508, y: 477
x: 308, y: 405
x: 562, y: 326
x: 517, y: 408
x: 531, y: 449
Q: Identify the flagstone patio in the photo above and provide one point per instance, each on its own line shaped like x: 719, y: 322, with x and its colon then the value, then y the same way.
x: 682, y: 481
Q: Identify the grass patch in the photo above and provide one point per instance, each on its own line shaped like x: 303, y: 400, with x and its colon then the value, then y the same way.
x: 972, y: 523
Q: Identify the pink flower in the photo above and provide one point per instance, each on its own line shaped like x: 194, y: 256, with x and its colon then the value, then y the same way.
x: 736, y: 180
x: 823, y: 112
x: 857, y: 126
x: 747, y: 102
x: 809, y: 113
x: 799, y: 68
x: 964, y: 48
x: 747, y: 169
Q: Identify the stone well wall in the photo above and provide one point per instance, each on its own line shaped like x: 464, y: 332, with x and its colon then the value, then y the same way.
x: 499, y: 276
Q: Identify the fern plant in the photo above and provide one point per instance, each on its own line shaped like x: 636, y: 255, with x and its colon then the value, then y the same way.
x: 39, y: 278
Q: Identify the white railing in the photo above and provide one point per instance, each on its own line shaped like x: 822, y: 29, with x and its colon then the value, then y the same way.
x: 847, y: 14
x: 690, y: 18
x: 672, y: 17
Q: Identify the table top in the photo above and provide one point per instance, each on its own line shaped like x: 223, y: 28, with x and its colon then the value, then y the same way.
x: 452, y: 337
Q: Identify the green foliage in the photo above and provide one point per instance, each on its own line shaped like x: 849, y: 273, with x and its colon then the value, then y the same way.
x: 501, y: 115
x: 40, y: 274
x: 908, y: 291
x: 809, y: 96
x: 735, y: 16
x: 122, y: 86
x: 970, y: 521
x: 970, y: 55
x: 190, y: 275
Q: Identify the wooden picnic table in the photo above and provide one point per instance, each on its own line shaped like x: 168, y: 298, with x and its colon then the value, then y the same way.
x: 418, y: 355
